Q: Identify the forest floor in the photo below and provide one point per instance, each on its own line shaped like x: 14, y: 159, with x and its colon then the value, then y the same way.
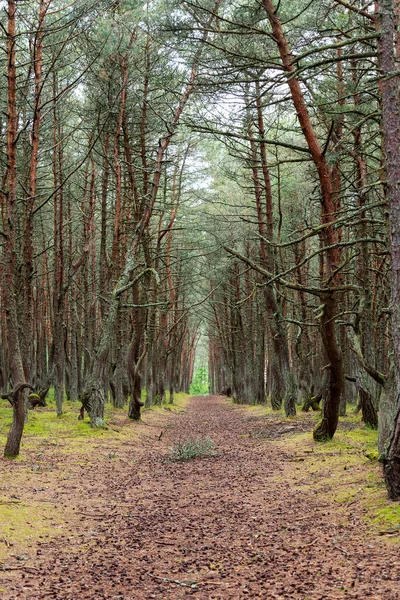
x: 267, y: 514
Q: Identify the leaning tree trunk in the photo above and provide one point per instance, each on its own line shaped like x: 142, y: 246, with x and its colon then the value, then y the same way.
x: 387, y: 413
x: 391, y: 143
x: 329, y: 235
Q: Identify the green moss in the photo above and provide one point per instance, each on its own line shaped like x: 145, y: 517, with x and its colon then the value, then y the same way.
x: 52, y: 448
x: 388, y: 515
x: 346, y: 496
x: 72, y: 435
x: 344, y: 470
x: 21, y: 525
x: 180, y: 404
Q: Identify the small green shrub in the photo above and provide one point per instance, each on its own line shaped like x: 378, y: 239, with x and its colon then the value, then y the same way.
x: 192, y: 448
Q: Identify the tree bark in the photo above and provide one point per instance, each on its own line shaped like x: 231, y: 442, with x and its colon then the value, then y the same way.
x: 389, y: 85
x: 283, y: 388
x: 330, y: 415
x: 27, y: 331
x: 125, y: 279
x: 10, y: 216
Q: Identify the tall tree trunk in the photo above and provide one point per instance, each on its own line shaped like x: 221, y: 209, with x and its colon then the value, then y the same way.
x: 391, y: 141
x: 327, y: 427
x: 27, y: 330
x: 103, y: 263
x: 10, y: 217
x: 58, y: 285
x: 283, y: 385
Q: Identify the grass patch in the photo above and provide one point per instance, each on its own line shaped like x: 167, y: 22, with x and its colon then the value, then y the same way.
x: 192, y: 448
x: 21, y: 525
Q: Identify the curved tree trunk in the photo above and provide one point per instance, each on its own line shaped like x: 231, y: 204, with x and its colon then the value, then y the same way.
x: 136, y: 355
x: 329, y: 236
x: 330, y: 411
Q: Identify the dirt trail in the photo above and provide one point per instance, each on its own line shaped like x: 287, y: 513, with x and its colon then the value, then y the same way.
x: 231, y: 526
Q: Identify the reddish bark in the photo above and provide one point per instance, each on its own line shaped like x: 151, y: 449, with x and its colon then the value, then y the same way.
x: 27, y: 333
x: 317, y: 153
x: 329, y: 236
x: 9, y: 205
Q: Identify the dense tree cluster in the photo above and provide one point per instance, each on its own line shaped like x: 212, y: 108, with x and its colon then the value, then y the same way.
x: 170, y: 168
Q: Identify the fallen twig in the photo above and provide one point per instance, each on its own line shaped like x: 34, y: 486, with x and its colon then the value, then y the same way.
x: 353, y: 502
x: 341, y: 550
x: 113, y: 428
x: 94, y: 516
x: 7, y: 543
x: 21, y: 568
x: 192, y: 586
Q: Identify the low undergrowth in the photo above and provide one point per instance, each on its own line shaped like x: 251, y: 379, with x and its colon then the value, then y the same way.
x: 192, y: 448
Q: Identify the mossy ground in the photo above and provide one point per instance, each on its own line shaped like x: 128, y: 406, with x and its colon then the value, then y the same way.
x: 345, y: 469
x: 260, y: 515
x: 55, y: 448
x: 43, y: 423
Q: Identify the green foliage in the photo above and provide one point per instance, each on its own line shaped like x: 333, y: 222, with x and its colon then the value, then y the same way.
x: 199, y: 385
x: 192, y: 448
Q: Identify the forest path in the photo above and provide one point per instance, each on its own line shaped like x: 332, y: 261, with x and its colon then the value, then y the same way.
x: 229, y: 526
